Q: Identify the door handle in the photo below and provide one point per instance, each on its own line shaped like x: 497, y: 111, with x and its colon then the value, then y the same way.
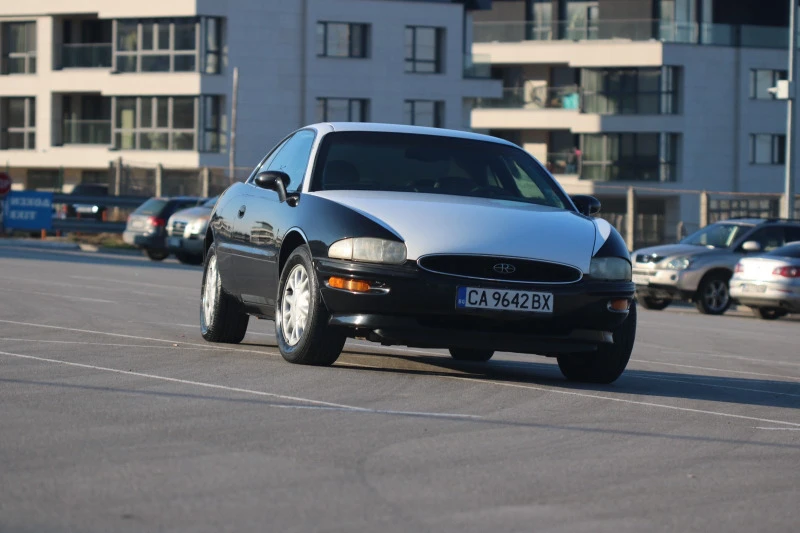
x: 242, y: 210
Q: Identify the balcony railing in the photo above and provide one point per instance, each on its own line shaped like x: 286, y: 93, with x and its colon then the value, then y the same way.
x: 566, y: 162
x: 634, y: 30
x: 86, y: 55
x: 87, y: 132
x: 541, y: 97
x: 477, y: 66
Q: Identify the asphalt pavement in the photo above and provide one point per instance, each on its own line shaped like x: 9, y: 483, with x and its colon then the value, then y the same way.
x: 117, y: 416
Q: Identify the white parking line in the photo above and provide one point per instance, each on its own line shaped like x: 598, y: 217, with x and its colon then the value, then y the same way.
x: 716, y: 386
x: 175, y: 344
x: 779, y: 429
x: 313, y: 404
x: 140, y: 283
x: 97, y: 287
x: 60, y: 296
x: 745, y: 372
x: 598, y: 397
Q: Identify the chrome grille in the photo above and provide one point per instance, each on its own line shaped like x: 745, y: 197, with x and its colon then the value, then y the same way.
x: 177, y: 227
x: 652, y: 258
x: 497, y: 268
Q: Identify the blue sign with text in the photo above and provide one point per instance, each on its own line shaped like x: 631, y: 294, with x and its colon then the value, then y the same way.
x: 28, y: 210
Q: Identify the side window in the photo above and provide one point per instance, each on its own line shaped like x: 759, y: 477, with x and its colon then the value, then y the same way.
x: 292, y: 158
x: 792, y: 234
x: 264, y: 165
x: 770, y: 237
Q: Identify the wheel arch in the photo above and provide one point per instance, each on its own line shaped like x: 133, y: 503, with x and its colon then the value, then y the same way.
x: 294, y: 238
x: 722, y: 272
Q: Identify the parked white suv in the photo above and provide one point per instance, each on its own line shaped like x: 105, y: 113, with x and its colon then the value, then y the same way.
x: 699, y: 267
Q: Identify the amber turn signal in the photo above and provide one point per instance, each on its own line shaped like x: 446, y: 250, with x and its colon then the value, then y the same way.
x: 620, y: 304
x: 354, y: 285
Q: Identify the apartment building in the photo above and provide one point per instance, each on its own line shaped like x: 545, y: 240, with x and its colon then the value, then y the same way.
x: 657, y: 94
x: 87, y: 83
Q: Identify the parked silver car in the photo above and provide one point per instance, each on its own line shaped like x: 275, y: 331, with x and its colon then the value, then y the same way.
x: 185, y: 232
x: 699, y: 268
x: 769, y: 283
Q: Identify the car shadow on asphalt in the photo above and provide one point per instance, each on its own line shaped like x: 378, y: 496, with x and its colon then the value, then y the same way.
x: 642, y: 383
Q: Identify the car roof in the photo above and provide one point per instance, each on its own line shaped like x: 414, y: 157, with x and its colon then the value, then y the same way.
x: 752, y: 221
x: 402, y: 128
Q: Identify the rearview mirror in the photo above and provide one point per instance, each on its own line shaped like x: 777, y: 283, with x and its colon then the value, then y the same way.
x: 587, y: 205
x: 273, y: 180
x: 751, y: 246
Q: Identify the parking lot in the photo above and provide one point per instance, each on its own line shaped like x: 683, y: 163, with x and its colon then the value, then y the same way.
x: 117, y: 416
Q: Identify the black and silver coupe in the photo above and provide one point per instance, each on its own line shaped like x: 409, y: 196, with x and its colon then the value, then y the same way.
x: 421, y: 237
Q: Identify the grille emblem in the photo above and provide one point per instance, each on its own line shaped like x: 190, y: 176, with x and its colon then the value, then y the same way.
x: 504, y: 268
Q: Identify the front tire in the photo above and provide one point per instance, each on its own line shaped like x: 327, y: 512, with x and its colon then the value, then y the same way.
x: 301, y: 318
x: 467, y: 354
x: 655, y: 304
x: 222, y: 317
x: 608, y: 362
x: 713, y: 295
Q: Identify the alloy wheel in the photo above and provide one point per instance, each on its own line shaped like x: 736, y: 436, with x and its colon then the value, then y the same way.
x: 716, y: 295
x: 210, y: 289
x: 295, y: 304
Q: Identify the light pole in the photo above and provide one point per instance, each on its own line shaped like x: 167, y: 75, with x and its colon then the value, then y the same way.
x: 788, y: 201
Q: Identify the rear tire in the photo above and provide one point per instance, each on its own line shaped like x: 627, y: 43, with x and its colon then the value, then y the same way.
x: 713, y: 295
x: 769, y: 313
x: 222, y: 317
x: 609, y: 361
x: 301, y: 318
x: 467, y: 354
x: 654, y: 304
x: 156, y: 255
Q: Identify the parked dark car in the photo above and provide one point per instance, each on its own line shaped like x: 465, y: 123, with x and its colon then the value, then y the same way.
x: 84, y: 209
x: 147, y: 225
x: 186, y: 230
x: 420, y: 237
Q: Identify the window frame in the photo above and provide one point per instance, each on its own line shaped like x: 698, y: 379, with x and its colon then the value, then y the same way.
x: 667, y: 157
x: 324, y: 101
x: 667, y: 94
x: 28, y: 130
x: 775, y: 74
x: 28, y: 56
x: 777, y: 149
x: 352, y: 48
x: 412, y: 63
x: 438, y: 112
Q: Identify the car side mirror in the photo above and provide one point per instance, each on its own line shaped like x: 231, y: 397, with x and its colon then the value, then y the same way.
x: 751, y: 246
x: 273, y: 180
x: 587, y: 205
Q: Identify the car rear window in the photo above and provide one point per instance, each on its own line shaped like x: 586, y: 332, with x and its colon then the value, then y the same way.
x: 790, y: 250
x: 153, y: 206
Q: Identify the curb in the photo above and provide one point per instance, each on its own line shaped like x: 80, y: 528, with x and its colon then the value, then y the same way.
x: 26, y: 243
x: 105, y: 250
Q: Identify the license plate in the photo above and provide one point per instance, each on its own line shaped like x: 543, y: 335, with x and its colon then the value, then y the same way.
x: 504, y: 300
x: 174, y: 242
x: 749, y: 287
x: 641, y: 279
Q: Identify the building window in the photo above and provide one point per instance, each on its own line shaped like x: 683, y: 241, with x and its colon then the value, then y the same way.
x: 424, y: 113
x: 215, y: 124
x: 342, y: 110
x: 631, y: 91
x: 629, y: 157
x: 342, y: 39
x: 763, y: 80
x: 160, y: 123
x: 424, y: 49
x: 167, y: 45
x: 18, y: 123
x: 767, y: 149
x: 19, y: 48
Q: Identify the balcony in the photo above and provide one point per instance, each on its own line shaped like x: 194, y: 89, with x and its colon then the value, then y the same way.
x: 86, y: 132
x: 533, y: 98
x: 633, y: 30
x: 477, y: 67
x: 86, y: 55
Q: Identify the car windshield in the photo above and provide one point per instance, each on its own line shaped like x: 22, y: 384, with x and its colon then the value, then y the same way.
x: 378, y: 161
x: 716, y: 235
x: 790, y: 250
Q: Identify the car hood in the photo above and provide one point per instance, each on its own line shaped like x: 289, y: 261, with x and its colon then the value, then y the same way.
x: 192, y: 213
x: 438, y: 223
x: 673, y: 250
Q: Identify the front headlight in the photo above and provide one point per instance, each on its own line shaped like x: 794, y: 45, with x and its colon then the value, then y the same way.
x: 678, y: 263
x: 612, y: 268
x: 369, y: 249
x: 197, y: 226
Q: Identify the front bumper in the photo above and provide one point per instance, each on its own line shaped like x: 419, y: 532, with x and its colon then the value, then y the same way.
x: 418, y: 308
x: 766, y: 294
x: 663, y: 283
x: 141, y: 240
x: 190, y: 245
